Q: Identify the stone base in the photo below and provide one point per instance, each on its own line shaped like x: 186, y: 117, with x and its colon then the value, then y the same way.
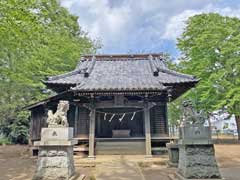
x: 55, y: 163
x: 177, y: 176
x: 173, y: 153
x: 170, y: 164
x: 56, y: 143
x: 198, y: 162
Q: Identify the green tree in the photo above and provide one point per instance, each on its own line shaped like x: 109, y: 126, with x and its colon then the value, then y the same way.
x: 38, y: 38
x: 210, y: 45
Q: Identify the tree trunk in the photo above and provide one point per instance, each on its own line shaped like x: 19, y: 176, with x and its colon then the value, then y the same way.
x: 237, y: 118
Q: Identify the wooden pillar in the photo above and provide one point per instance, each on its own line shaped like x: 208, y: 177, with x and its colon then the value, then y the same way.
x: 76, y: 120
x: 30, y: 142
x: 147, y: 130
x: 98, y: 118
x: 92, y: 133
x: 166, y: 119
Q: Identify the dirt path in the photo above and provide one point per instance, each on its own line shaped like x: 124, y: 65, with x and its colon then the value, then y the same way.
x: 121, y: 169
x: 228, y: 155
x: 16, y: 164
x: 228, y: 158
x: 128, y: 170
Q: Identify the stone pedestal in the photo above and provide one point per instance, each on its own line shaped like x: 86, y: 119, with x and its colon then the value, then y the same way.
x: 194, y: 134
x: 197, y: 161
x: 173, y: 153
x: 196, y: 154
x: 55, y: 159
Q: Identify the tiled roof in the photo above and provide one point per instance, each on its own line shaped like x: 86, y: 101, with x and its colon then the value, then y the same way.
x: 121, y: 73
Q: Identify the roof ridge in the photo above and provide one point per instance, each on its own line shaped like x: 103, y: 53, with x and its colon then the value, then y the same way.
x: 169, y: 71
x: 90, y: 66
x: 124, y: 56
x: 119, y: 59
x: 75, y: 71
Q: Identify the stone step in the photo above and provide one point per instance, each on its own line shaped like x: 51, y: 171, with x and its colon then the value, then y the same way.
x: 80, y: 148
x: 159, y: 150
x: 120, y: 148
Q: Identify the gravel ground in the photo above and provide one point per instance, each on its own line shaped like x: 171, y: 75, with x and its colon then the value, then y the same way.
x: 16, y: 164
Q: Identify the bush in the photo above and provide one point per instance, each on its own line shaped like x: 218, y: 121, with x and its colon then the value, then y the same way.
x: 19, y: 129
x: 4, y: 140
x: 16, y: 129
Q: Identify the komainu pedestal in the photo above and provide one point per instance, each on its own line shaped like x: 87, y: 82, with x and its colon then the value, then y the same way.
x: 196, y: 149
x: 55, y: 159
x: 196, y: 154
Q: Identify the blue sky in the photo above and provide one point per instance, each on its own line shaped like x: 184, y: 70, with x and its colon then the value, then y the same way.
x: 142, y: 26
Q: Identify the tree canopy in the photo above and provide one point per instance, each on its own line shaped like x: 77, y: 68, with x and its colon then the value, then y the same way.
x: 38, y: 38
x: 210, y: 45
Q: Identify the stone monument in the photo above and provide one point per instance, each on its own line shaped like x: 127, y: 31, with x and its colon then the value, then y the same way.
x: 55, y: 158
x: 196, y: 149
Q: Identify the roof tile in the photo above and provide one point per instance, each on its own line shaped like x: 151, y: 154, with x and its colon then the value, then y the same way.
x: 122, y: 74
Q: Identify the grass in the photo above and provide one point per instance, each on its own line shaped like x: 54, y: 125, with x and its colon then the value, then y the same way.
x: 4, y: 141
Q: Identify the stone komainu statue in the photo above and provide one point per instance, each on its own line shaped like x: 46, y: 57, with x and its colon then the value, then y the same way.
x: 59, y: 118
x: 190, y: 116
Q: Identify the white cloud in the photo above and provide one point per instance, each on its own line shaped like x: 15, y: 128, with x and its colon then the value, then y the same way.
x: 177, y: 23
x: 100, y: 20
x: 137, y: 25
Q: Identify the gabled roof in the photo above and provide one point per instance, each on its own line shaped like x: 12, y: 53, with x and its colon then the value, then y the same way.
x: 140, y: 72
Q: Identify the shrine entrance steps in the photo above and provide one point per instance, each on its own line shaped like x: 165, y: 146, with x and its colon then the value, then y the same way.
x: 125, y: 167
x: 120, y: 147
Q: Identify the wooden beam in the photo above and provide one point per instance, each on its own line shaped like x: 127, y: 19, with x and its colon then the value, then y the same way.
x: 111, y: 104
x: 147, y: 130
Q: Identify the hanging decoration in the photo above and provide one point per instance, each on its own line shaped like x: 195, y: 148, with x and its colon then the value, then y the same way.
x: 90, y: 114
x: 120, y: 119
x: 133, y: 113
x: 111, y: 118
x: 133, y: 116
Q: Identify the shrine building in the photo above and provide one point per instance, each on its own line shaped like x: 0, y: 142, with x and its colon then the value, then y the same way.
x: 118, y: 103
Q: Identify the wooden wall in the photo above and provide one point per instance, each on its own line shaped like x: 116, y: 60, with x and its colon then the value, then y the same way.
x: 38, y: 120
x: 82, y: 123
x: 158, y: 119
x: 71, y: 116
